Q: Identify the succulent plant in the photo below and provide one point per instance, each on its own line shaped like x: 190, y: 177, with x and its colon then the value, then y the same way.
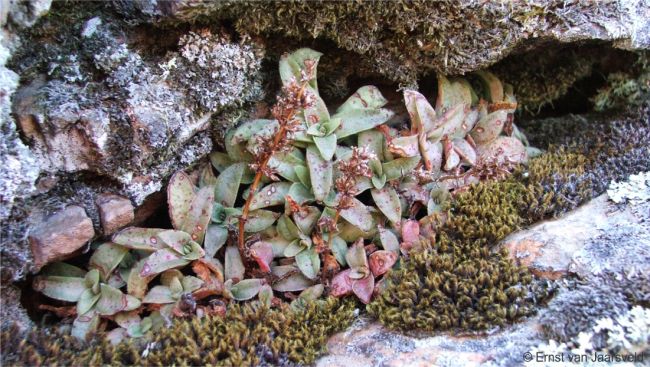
x: 288, y: 217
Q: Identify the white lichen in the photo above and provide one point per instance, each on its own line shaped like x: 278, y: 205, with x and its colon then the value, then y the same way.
x: 635, y: 190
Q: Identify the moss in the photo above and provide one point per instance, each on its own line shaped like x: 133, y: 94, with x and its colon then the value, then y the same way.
x: 247, y: 335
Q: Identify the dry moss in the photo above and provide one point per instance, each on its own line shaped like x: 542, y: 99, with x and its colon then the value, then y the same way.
x: 248, y: 335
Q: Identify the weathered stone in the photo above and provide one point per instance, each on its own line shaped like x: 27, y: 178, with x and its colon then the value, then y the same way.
x: 11, y: 312
x: 60, y: 236
x: 115, y: 212
x: 548, y: 248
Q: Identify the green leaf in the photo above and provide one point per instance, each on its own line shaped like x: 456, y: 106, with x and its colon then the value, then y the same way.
x: 198, y: 217
x: 294, y: 248
x: 207, y: 177
x: 145, y: 239
x: 159, y: 294
x: 193, y: 251
x: 422, y: 114
x: 365, y: 98
x: 320, y: 172
x: 278, y: 244
x: 326, y: 146
x: 288, y: 229
x: 245, y: 289
x: 91, y: 280
x: 339, y: 249
x: 265, y: 295
x: 220, y: 161
x: 86, y: 301
x: 294, y: 282
x: 378, y: 182
x: 388, y: 202
x: 306, y: 220
x: 356, y: 256
x: 502, y: 148
x: 234, y: 266
x: 302, y: 173
x: 63, y: 270
x: 225, y: 191
x: 215, y: 238
x: 388, y: 239
x: 162, y: 260
x: 190, y: 283
x: 175, y: 240
x: 452, y: 93
x: 259, y: 220
x: 61, y: 288
x: 236, y: 151
x: 310, y: 294
x: 292, y: 64
x: 316, y: 113
x: 405, y: 146
x: 180, y: 193
x: 359, y: 216
x: 167, y: 277
x: 300, y: 193
x: 308, y: 262
x: 356, y: 121
x: 106, y: 258
x: 399, y: 167
x: 284, y: 164
x: 113, y: 301
x: 271, y: 195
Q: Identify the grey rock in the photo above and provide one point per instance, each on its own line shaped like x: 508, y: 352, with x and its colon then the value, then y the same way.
x: 60, y: 236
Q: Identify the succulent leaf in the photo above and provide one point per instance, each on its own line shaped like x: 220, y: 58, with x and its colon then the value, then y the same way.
x: 61, y: 288
x: 265, y: 295
x: 381, y: 261
x: 356, y: 256
x: 145, y: 239
x: 234, y: 266
x: 388, y: 202
x: 410, y: 231
x: 358, y: 215
x: 190, y: 283
x: 159, y: 294
x: 491, y: 85
x: 270, y: 195
x: 162, y: 260
x: 306, y: 219
x: 199, y: 214
x: 180, y: 194
x: 294, y: 248
x: 503, y: 148
x: 220, y: 161
x: 225, y: 191
x: 339, y: 248
x: 106, y: 258
x: 365, y: 98
x: 85, y: 325
x: 292, y: 279
x: 292, y: 64
x: 207, y: 177
x: 373, y: 140
x: 489, y: 127
x: 259, y: 220
x: 421, y: 113
x: 356, y: 121
x: 168, y: 276
x: 136, y: 284
x: 113, y: 301
x: 284, y: 164
x: 326, y: 145
x: 399, y: 167
x: 320, y: 173
x: 405, y: 146
x: 308, y: 262
x: 465, y: 151
x: 300, y: 193
x: 341, y: 284
x: 175, y: 240
x: 244, y: 289
x: 363, y: 288
x: 215, y: 238
x: 262, y: 253
x: 63, y: 270
x: 388, y: 239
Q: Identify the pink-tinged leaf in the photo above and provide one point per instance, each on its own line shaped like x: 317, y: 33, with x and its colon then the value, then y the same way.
x: 388, y: 202
x: 162, y: 260
x: 422, y: 115
x: 465, y: 151
x: 145, y: 239
x: 198, y: 216
x: 106, y: 258
x: 410, y: 231
x: 180, y: 193
x: 85, y: 324
x: 341, y: 284
x: 159, y: 294
x: 234, y: 266
x: 262, y: 253
x: 136, y: 285
x: 292, y: 279
x: 363, y: 288
x: 381, y: 261
x: 449, y: 123
x: 433, y: 152
x: 489, y: 127
x: 405, y: 146
x: 113, y: 301
x: 504, y: 147
x: 62, y: 288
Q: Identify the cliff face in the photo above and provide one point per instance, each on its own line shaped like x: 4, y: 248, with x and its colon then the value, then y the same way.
x: 106, y: 99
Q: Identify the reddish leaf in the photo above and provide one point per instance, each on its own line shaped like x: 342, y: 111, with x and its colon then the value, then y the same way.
x: 410, y: 231
x: 363, y: 288
x: 262, y: 253
x: 341, y: 284
x: 381, y: 261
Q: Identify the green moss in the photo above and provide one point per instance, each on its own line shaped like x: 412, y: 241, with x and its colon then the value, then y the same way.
x: 247, y: 335
x: 624, y: 89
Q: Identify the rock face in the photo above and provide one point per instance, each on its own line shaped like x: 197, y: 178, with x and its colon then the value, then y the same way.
x: 401, y: 39
x: 60, y: 236
x: 115, y: 212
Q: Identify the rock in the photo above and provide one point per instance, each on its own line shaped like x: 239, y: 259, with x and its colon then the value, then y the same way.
x: 60, y: 236
x: 11, y: 312
x: 549, y: 248
x: 402, y: 39
x: 115, y: 212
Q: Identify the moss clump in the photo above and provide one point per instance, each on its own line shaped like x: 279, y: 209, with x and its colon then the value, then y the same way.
x: 247, y: 335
